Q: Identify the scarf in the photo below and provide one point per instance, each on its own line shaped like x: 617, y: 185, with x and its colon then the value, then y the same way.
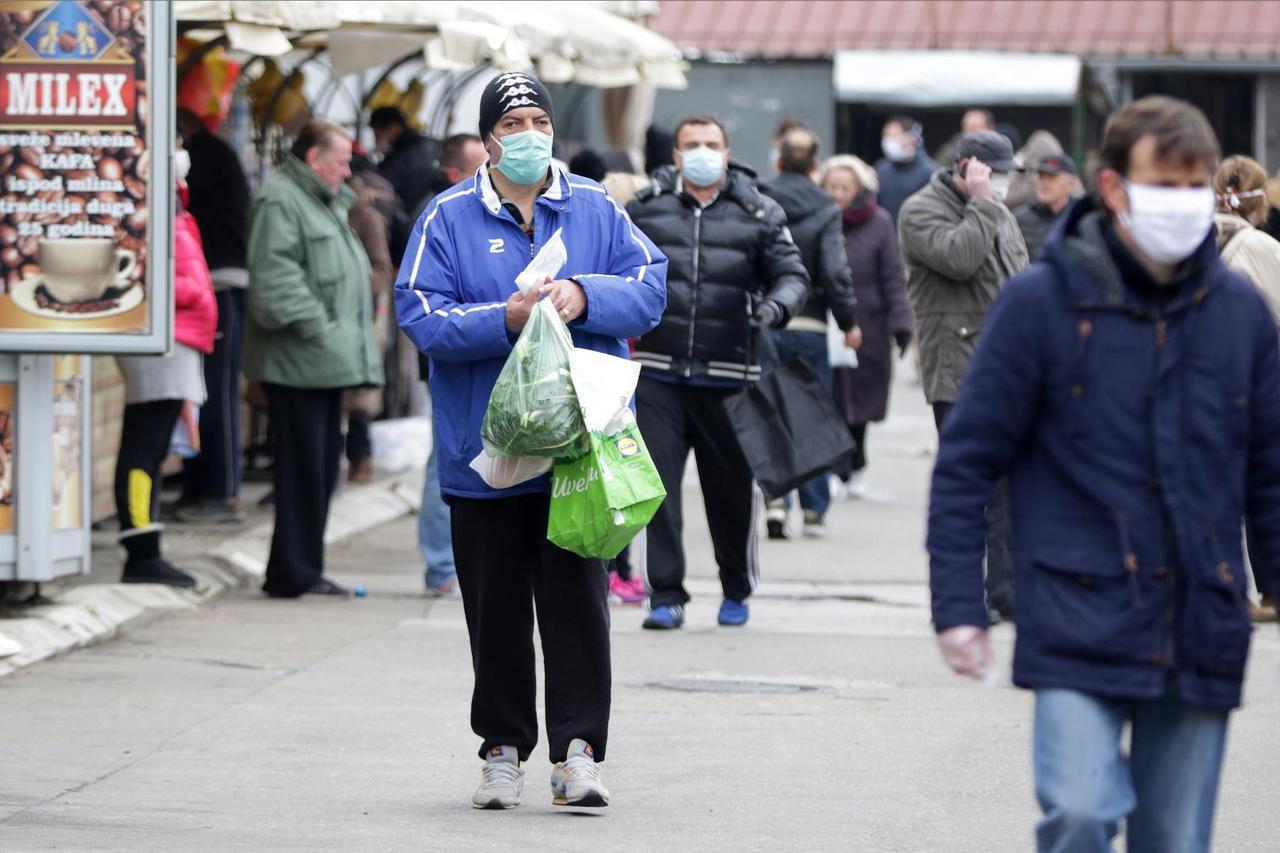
x: 863, y: 206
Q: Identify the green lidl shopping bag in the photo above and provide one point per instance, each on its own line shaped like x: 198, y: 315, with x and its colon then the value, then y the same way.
x: 601, y: 500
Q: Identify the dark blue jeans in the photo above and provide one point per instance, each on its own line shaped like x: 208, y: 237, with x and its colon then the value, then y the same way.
x: 815, y: 493
x: 215, y: 473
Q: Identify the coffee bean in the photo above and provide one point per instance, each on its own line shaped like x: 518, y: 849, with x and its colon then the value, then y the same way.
x: 24, y: 18
x: 6, y: 161
x: 30, y: 156
x: 109, y: 169
x: 29, y: 245
x: 135, y: 188
x: 8, y: 235
x: 137, y: 221
x: 30, y: 270
x: 120, y: 18
x: 27, y: 172
x: 142, y: 166
x: 10, y: 257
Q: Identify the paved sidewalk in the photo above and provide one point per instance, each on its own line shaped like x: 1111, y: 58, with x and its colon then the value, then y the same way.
x: 828, y: 723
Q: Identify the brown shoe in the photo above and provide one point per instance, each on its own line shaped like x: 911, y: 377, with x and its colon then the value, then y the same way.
x: 361, y: 470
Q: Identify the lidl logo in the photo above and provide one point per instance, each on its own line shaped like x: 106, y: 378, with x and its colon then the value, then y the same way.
x: 627, y: 447
x: 67, y: 31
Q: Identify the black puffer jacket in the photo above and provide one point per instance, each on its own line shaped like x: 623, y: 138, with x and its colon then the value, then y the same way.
x: 814, y: 221
x: 724, y: 259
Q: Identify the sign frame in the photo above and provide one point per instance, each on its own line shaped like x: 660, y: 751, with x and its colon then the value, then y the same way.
x: 160, y: 199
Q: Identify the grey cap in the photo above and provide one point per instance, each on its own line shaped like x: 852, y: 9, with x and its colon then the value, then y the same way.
x: 991, y: 148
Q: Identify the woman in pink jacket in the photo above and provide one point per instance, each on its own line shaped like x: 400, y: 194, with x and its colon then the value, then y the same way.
x: 159, y: 390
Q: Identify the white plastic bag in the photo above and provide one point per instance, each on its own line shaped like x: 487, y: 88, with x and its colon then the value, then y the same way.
x: 838, y: 354
x: 504, y: 472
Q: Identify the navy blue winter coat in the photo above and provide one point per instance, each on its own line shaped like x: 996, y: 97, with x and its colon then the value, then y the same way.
x: 1136, y: 438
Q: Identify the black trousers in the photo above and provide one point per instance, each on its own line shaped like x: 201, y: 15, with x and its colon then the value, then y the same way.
x: 359, y: 441
x: 306, y: 425
x: 144, y: 443
x: 215, y: 473
x: 506, y: 568
x: 999, y: 554
x: 673, y: 419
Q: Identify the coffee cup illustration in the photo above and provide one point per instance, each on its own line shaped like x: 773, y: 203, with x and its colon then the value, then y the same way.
x: 82, y: 270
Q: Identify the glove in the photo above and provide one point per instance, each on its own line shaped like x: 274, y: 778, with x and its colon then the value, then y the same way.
x: 904, y: 342
x: 769, y: 314
x: 967, y: 650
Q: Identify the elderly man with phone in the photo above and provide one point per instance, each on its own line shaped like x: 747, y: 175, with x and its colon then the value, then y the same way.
x: 960, y: 244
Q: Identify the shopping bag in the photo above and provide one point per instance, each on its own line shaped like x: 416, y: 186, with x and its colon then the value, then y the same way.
x: 838, y: 355
x: 602, y: 499
x: 533, y: 415
x: 788, y: 426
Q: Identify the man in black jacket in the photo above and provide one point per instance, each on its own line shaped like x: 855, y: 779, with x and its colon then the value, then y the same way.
x: 411, y: 162
x: 219, y: 201
x: 1056, y: 183
x: 814, y: 221
x: 733, y: 269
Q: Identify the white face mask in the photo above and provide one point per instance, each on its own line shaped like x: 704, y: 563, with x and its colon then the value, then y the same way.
x: 1000, y: 185
x: 894, y: 149
x: 1168, y: 223
x: 181, y: 164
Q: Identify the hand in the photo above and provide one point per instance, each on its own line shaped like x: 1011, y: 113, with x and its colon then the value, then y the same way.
x: 903, y: 339
x: 967, y: 650
x: 568, y: 298
x: 976, y: 182
x: 769, y: 314
x: 853, y: 338
x: 520, y: 306
x: 192, y: 423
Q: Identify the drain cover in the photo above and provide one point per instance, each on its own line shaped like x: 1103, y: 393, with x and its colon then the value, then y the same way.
x: 736, y: 685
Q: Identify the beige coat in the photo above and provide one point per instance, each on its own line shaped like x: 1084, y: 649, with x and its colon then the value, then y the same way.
x: 1253, y: 254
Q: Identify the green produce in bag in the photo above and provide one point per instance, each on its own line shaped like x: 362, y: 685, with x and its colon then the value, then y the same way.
x: 600, y: 501
x: 533, y: 410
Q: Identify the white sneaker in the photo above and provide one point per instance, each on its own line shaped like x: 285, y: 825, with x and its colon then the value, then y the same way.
x: 815, y: 524
x: 576, y: 780
x: 502, y: 781
x: 858, y: 485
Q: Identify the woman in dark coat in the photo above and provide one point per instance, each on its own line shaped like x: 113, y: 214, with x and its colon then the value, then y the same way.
x: 884, y: 312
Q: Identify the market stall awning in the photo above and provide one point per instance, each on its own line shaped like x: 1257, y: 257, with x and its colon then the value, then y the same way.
x: 564, y: 41
x: 934, y: 78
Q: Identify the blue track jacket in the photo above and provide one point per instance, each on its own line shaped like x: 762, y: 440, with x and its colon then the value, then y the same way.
x: 459, y: 270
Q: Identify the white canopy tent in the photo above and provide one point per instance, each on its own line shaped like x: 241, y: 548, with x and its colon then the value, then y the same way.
x: 563, y: 41
x: 934, y: 78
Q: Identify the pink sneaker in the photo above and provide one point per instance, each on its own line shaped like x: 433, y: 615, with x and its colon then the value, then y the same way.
x: 626, y: 591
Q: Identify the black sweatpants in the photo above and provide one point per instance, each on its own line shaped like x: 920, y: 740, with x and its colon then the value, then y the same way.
x: 999, y: 579
x: 506, y: 567
x: 215, y: 473
x: 306, y: 426
x: 144, y: 443
x: 673, y: 419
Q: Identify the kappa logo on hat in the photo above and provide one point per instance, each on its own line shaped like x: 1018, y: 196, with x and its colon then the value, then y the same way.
x: 517, y: 89
x: 522, y: 101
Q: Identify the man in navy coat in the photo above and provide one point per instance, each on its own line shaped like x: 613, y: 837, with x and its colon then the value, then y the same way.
x: 1129, y: 386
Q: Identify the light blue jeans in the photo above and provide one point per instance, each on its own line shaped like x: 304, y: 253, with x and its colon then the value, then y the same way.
x: 1165, y: 789
x: 435, y: 537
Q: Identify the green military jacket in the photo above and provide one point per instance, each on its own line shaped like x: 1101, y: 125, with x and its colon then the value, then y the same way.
x: 310, y: 315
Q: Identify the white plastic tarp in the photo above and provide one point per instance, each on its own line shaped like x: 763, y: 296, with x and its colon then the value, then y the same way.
x: 935, y: 78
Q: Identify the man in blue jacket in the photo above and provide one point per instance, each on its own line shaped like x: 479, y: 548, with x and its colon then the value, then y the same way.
x: 457, y: 300
x: 1126, y: 382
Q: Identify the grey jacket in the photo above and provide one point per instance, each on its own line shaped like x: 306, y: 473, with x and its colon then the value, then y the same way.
x: 959, y: 252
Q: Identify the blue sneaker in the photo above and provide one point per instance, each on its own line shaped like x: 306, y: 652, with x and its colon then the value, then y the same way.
x: 665, y: 618
x: 734, y: 612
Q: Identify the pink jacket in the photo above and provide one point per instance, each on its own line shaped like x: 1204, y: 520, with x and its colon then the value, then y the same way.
x: 195, y: 308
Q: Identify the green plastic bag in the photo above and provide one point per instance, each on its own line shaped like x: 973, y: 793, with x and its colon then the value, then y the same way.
x: 600, y: 501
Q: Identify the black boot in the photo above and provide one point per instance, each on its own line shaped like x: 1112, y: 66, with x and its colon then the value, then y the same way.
x: 145, y: 565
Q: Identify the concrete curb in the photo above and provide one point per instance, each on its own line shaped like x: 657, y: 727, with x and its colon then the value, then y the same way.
x: 86, y: 615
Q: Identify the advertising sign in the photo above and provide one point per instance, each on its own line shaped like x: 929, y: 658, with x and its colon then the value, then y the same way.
x: 85, y: 187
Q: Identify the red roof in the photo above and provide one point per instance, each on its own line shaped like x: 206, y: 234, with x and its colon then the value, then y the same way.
x: 1218, y: 29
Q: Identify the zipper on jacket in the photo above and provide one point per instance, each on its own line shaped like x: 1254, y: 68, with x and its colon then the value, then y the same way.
x: 693, y: 303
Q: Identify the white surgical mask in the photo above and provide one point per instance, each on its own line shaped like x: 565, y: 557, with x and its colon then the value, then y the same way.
x: 1000, y: 185
x: 1168, y: 223
x: 894, y: 148
x: 181, y: 164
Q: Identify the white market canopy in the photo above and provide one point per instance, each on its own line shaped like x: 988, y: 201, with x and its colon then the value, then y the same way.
x: 563, y: 41
x: 935, y: 78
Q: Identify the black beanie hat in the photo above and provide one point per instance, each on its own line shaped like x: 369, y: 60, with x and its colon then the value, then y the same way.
x: 510, y: 91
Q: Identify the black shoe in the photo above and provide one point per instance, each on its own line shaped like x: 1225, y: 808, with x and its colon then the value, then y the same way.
x: 210, y: 512
x: 156, y: 570
x: 324, y: 586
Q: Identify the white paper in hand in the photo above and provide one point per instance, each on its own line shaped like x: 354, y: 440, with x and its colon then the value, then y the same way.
x: 550, y: 259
